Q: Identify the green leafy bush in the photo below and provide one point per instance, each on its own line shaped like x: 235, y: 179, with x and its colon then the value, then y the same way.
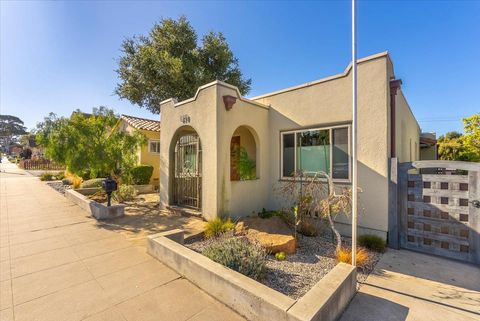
x: 141, y: 174
x: 239, y: 254
x: 125, y: 193
x: 280, y: 256
x: 246, y: 166
x: 372, y: 242
x: 60, y: 176
x: 47, y: 176
x: 217, y: 227
x: 94, y: 182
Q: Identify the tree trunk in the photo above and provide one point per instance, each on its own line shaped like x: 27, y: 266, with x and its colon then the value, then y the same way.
x: 337, y: 234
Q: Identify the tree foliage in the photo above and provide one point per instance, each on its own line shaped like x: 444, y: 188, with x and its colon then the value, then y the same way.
x: 168, y: 63
x: 11, y: 126
x: 86, y: 143
x: 471, y: 138
x: 463, y: 147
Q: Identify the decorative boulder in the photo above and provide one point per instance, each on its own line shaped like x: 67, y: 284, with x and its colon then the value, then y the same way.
x: 272, y: 233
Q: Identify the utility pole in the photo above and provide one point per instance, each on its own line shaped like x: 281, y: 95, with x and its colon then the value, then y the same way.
x: 354, y: 136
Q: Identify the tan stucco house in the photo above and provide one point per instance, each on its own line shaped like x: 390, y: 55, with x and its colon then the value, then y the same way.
x: 304, y: 127
x: 149, y: 153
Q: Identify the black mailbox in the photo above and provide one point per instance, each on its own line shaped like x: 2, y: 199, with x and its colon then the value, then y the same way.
x: 109, y: 185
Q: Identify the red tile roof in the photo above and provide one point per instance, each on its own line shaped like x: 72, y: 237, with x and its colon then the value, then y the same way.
x: 142, y: 123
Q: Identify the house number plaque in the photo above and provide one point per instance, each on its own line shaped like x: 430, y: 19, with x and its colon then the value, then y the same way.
x: 185, y: 119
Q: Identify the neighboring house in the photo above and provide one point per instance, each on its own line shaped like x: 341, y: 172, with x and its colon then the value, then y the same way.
x: 15, y: 149
x: 428, y: 146
x: 149, y: 153
x: 303, y: 127
x: 37, y: 151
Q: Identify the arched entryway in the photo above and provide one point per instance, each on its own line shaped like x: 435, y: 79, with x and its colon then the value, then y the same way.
x: 186, y: 172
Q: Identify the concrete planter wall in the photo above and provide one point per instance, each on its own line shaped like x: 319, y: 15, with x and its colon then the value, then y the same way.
x: 141, y: 189
x: 97, y: 210
x: 255, y: 301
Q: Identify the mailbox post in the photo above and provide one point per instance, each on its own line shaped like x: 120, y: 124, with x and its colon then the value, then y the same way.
x: 109, y: 185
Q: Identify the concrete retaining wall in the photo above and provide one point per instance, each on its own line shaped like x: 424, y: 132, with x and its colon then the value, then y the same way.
x: 255, y: 301
x: 141, y: 189
x: 97, y: 210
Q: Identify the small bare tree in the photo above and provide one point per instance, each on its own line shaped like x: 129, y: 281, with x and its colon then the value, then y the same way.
x: 313, y: 194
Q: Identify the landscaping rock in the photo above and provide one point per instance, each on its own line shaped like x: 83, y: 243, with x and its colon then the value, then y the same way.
x: 272, y: 233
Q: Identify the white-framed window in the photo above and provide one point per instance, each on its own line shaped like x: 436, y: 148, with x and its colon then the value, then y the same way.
x: 324, y: 149
x: 154, y: 146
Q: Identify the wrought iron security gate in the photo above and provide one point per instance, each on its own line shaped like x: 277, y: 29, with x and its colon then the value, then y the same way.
x: 439, y: 208
x: 187, y: 178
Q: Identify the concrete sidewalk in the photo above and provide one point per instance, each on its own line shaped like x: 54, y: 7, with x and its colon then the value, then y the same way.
x: 58, y: 264
x: 411, y: 286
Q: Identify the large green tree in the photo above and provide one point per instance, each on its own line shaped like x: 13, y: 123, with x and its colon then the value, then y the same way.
x: 169, y: 63
x: 464, y: 147
x: 471, y: 137
x: 10, y: 127
x: 86, y: 144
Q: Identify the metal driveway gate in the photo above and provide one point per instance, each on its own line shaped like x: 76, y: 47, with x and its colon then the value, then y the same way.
x: 439, y: 208
x: 187, y: 180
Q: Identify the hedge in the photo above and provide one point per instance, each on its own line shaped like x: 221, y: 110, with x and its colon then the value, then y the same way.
x: 141, y: 174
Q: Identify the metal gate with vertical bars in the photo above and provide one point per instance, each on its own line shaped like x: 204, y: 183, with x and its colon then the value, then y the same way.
x: 439, y: 208
x: 187, y: 181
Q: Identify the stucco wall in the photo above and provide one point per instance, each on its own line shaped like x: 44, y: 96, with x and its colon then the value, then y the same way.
x: 241, y: 198
x: 203, y: 119
x: 407, y: 131
x: 329, y: 103
x: 150, y: 158
x: 428, y: 153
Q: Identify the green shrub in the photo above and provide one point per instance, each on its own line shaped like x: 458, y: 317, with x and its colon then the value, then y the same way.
x: 47, y: 176
x: 372, y: 242
x: 141, y: 174
x: 125, y: 193
x: 217, y: 227
x: 245, y: 166
x: 94, y: 182
x: 238, y: 254
x: 280, y: 256
x: 60, y: 176
x: 286, y: 217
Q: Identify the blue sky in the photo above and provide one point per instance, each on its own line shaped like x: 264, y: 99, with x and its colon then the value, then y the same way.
x: 59, y: 56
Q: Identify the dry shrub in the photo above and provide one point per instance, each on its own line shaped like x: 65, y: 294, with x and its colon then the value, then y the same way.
x: 218, y: 226
x: 345, y: 256
x: 75, y: 180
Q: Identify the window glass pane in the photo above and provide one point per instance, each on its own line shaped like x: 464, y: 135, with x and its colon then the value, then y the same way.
x: 155, y: 147
x: 340, y: 156
x: 288, y: 155
x: 313, y: 151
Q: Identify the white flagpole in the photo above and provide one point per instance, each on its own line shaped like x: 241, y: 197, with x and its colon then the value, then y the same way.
x: 354, y: 136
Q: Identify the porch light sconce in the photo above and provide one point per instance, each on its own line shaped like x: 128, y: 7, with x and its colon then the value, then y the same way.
x: 229, y: 101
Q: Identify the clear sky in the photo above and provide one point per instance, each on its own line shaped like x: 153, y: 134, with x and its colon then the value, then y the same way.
x: 59, y: 56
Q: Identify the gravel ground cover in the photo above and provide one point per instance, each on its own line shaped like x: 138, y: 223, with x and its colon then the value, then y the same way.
x: 58, y: 186
x: 294, y: 276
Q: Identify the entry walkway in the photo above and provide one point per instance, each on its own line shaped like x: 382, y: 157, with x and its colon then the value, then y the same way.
x: 58, y: 264
x: 411, y: 286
